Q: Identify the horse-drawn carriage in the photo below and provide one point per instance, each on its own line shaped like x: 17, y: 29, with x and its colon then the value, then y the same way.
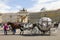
x: 44, y: 25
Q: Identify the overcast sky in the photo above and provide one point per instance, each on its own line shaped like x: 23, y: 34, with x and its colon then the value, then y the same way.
x: 30, y: 5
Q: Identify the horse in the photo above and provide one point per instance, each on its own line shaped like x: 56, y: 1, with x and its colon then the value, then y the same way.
x: 15, y: 26
x: 22, y: 28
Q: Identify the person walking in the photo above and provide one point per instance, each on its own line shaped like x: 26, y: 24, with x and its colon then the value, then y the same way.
x: 5, y: 29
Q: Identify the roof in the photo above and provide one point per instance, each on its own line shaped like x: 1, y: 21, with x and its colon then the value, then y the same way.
x: 45, y: 19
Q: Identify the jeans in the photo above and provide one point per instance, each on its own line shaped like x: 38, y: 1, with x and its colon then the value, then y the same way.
x: 14, y: 30
x: 5, y: 32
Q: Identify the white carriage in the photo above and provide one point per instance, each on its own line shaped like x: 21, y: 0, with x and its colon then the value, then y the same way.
x: 45, y: 24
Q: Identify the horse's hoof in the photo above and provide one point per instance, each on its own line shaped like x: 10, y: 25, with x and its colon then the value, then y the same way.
x: 13, y: 33
x: 19, y: 34
x: 22, y: 34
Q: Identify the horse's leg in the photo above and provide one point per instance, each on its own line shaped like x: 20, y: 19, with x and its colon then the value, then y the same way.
x: 22, y: 32
x: 32, y: 29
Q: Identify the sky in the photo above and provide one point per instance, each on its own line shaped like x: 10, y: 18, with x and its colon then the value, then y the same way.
x: 29, y: 5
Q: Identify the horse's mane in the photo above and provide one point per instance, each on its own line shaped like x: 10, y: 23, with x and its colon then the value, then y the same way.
x: 9, y: 22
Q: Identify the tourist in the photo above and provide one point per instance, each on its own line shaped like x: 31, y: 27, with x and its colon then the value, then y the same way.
x: 5, y: 29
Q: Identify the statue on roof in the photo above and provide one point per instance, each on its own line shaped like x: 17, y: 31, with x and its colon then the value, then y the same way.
x: 23, y: 9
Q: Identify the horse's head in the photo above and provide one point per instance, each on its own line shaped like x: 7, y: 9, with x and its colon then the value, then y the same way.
x: 9, y: 23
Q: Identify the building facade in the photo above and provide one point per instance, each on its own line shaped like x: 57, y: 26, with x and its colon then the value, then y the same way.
x: 21, y: 16
x: 24, y: 16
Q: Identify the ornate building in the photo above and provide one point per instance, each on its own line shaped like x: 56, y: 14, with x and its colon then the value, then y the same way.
x: 21, y: 16
x: 24, y: 16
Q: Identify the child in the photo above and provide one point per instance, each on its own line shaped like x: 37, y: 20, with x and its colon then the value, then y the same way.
x: 5, y: 29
